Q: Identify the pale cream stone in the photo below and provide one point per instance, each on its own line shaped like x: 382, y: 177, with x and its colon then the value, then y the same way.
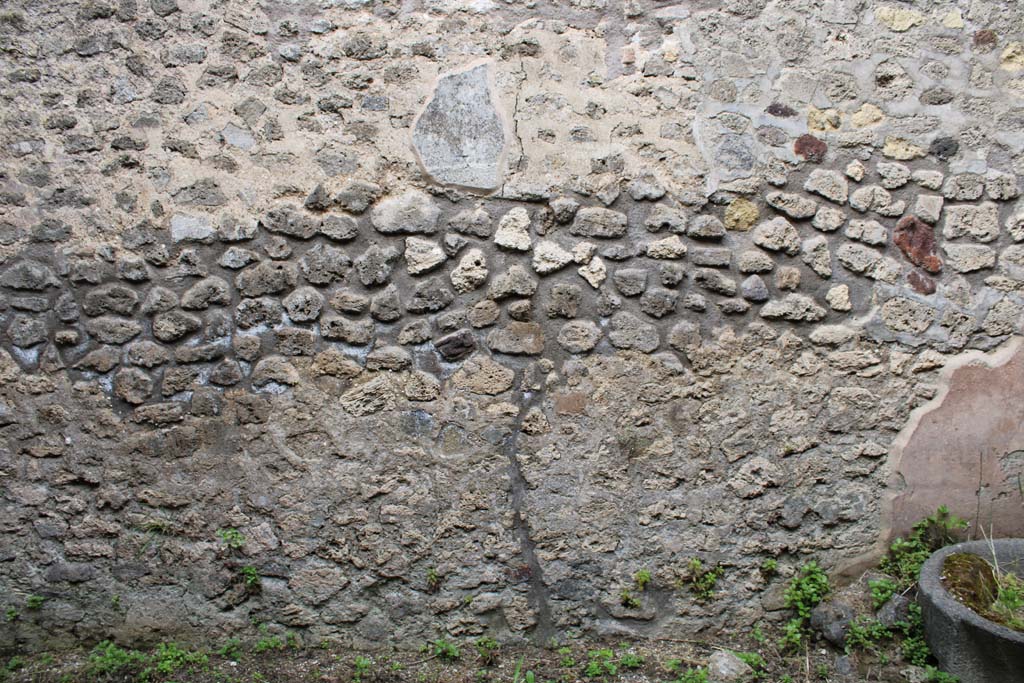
x: 953, y: 19
x: 901, y: 150
x: 867, y: 115
x: 1012, y: 58
x: 898, y: 19
x: 594, y: 272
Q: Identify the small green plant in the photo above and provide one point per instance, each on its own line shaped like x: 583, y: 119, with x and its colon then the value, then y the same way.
x: 360, y: 667
x: 641, y: 579
x: 15, y: 663
x: 518, y: 676
x: 487, y: 650
x: 445, y: 650
x: 933, y: 675
x: 786, y: 678
x: 627, y: 600
x: 433, y: 580
x: 758, y: 635
x: 754, y: 661
x: 567, y: 659
x: 822, y: 672
x: 1008, y: 603
x: 673, y: 665
x: 865, y: 634
x: 806, y: 590
x: 115, y: 602
x: 231, y: 649
x: 906, y: 555
x: 11, y: 614
x: 107, y: 658
x: 913, y: 647
x: 630, y: 660
x: 769, y: 568
x: 600, y: 663
x: 250, y: 576
x: 881, y: 591
x: 701, y: 580
x: 168, y: 658
x: 698, y: 675
x: 269, y: 642
x: 231, y: 537
x: 34, y: 601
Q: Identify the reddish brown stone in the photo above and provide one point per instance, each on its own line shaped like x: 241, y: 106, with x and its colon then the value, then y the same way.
x: 781, y: 110
x: 810, y: 148
x: 921, y: 283
x: 916, y: 239
x: 985, y: 40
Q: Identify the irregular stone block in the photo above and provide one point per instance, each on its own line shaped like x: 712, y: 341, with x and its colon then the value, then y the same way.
x: 597, y: 222
x: 483, y: 375
x: 517, y: 338
x: 412, y: 212
x: 916, y: 240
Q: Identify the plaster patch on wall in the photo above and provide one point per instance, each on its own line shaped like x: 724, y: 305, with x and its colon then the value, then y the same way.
x: 959, y: 449
x: 460, y: 136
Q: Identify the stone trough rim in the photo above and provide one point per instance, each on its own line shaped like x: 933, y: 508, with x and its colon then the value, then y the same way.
x: 930, y: 583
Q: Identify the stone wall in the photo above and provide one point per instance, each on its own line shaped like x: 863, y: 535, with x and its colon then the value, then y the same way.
x: 464, y: 312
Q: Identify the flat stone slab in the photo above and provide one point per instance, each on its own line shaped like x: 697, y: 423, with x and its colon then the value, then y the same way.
x: 459, y: 137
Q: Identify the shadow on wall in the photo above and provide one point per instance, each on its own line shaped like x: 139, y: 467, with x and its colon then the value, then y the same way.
x: 967, y: 451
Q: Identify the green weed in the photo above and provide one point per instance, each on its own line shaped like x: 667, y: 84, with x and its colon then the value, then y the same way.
x: 641, y: 579
x: 487, y: 650
x: 445, y: 650
x: 600, y: 663
x: 360, y: 667
x: 906, y: 555
x: 881, y: 591
x: 698, y: 675
x: 806, y: 590
x: 231, y: 537
x: 701, y: 580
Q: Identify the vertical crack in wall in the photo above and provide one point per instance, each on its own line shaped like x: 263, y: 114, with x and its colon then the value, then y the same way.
x: 538, y: 591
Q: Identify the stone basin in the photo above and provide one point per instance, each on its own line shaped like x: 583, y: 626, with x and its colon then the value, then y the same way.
x: 965, y: 643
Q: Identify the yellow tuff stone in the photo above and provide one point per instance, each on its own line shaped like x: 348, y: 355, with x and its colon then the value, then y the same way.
x: 900, y: 149
x: 953, y: 19
x: 741, y: 215
x: 1013, y: 57
x: 898, y: 19
x: 823, y: 119
x: 867, y: 115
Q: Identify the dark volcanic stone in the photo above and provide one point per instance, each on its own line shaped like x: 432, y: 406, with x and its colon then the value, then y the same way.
x: 832, y: 620
x: 810, y: 148
x: 780, y: 110
x: 457, y: 345
x: 944, y: 148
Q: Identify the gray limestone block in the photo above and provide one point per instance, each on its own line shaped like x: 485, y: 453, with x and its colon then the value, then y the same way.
x: 460, y: 135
